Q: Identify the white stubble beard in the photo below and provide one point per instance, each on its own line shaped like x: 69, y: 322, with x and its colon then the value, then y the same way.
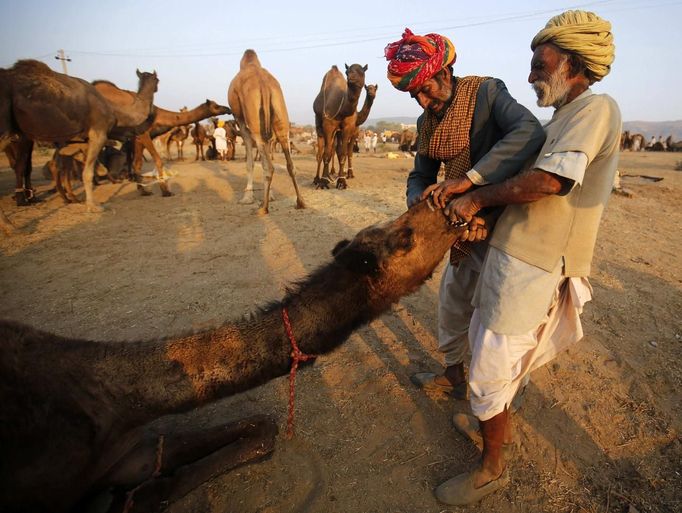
x: 553, y: 92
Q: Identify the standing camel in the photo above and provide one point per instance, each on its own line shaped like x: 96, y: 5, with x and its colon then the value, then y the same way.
x: 38, y: 104
x: 199, y: 138
x: 178, y: 136
x: 363, y: 114
x: 257, y: 104
x: 334, y: 109
x: 75, y: 413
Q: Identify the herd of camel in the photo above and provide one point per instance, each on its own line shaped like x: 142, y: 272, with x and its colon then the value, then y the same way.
x: 637, y: 142
x: 80, y: 118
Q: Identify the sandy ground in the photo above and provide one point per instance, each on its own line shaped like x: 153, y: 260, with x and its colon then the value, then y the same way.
x: 599, y: 429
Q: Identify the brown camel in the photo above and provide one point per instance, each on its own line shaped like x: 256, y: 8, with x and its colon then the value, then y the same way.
x: 177, y: 135
x: 75, y: 413
x: 408, y: 141
x: 231, y: 133
x: 199, y: 138
x: 363, y: 114
x: 165, y: 121
x: 334, y: 109
x: 134, y: 111
x: 38, y: 104
x: 258, y: 106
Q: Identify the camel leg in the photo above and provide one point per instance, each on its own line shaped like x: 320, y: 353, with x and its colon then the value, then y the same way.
x: 23, y: 194
x: 292, y: 174
x: 349, y: 153
x: 187, y: 459
x: 163, y: 183
x: 318, y: 155
x: 96, y: 140
x: 328, y: 154
x: 140, y: 145
x: 247, y: 199
x: 266, y: 163
x: 346, y: 137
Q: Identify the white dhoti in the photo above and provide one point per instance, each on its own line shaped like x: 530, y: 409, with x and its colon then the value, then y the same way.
x: 499, y: 363
x: 524, y: 317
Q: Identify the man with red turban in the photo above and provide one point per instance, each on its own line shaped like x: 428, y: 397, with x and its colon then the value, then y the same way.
x: 481, y: 135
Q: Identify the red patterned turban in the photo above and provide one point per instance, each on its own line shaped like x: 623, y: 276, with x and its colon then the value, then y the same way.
x: 415, y: 59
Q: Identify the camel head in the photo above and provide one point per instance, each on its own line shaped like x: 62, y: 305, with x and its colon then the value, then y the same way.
x: 371, y: 90
x: 217, y: 110
x: 356, y: 74
x: 147, y: 80
x: 396, y: 257
x: 248, y: 59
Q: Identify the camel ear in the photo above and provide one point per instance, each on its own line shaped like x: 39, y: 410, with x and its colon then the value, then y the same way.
x: 139, y: 75
x: 346, y: 65
x: 362, y: 262
x: 400, y: 240
x: 364, y: 68
x: 339, y: 246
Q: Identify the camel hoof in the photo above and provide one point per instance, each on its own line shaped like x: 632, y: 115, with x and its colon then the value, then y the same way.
x: 300, y: 204
x: 144, y: 191
x: 21, y: 200
x: 263, y: 211
x: 93, y: 208
x: 167, y: 194
x: 341, y: 184
x: 246, y: 200
x: 323, y: 183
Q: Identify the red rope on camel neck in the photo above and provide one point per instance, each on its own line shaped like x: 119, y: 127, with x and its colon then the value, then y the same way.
x: 298, y: 356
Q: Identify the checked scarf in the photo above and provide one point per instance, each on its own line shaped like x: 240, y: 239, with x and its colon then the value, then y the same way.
x: 447, y: 139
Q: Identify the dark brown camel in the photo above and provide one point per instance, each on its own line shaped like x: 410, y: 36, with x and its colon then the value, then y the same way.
x: 199, y: 138
x: 74, y: 412
x: 231, y: 133
x: 363, y: 114
x: 38, y: 104
x: 258, y: 106
x: 334, y: 109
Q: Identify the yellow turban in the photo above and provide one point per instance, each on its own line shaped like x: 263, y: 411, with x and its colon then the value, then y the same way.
x: 583, y: 33
x: 221, y: 123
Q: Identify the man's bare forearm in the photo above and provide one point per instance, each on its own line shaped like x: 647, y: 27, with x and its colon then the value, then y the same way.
x: 525, y: 187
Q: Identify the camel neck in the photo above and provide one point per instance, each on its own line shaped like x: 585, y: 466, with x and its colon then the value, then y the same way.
x: 166, y: 119
x: 174, y: 375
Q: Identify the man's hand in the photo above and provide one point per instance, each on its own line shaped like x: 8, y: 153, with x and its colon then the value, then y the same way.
x: 476, y: 231
x: 462, y: 208
x: 441, y: 192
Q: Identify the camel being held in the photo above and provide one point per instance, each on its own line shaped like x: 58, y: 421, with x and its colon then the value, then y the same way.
x: 75, y: 413
x: 334, y: 109
x: 38, y: 104
x: 257, y: 104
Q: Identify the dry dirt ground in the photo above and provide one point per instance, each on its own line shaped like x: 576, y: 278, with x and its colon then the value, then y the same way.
x: 599, y: 429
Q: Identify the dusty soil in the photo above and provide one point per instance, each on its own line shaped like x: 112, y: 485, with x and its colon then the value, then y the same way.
x: 599, y: 429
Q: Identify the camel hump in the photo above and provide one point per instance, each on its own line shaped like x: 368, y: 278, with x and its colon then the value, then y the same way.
x: 249, y: 59
x: 31, y: 66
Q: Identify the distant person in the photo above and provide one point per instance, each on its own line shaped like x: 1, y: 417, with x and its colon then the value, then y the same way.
x: 662, y: 142
x: 375, y: 139
x: 220, y: 137
x: 383, y: 138
x: 482, y: 135
x: 368, y: 141
x: 651, y: 142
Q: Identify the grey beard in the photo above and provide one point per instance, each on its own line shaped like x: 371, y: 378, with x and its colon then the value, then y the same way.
x: 553, y: 92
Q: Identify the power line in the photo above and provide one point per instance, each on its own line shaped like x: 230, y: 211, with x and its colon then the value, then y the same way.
x: 333, y: 40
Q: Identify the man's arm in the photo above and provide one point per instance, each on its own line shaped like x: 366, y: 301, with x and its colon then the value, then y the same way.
x: 425, y: 173
x: 522, y: 135
x: 526, y: 187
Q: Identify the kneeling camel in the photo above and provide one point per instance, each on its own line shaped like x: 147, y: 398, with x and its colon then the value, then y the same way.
x: 75, y: 413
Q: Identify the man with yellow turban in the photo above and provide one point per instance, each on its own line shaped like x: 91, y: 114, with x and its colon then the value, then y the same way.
x: 220, y: 138
x: 481, y: 135
x: 533, y: 283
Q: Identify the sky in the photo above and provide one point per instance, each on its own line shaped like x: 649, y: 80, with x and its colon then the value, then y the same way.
x: 195, y: 47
